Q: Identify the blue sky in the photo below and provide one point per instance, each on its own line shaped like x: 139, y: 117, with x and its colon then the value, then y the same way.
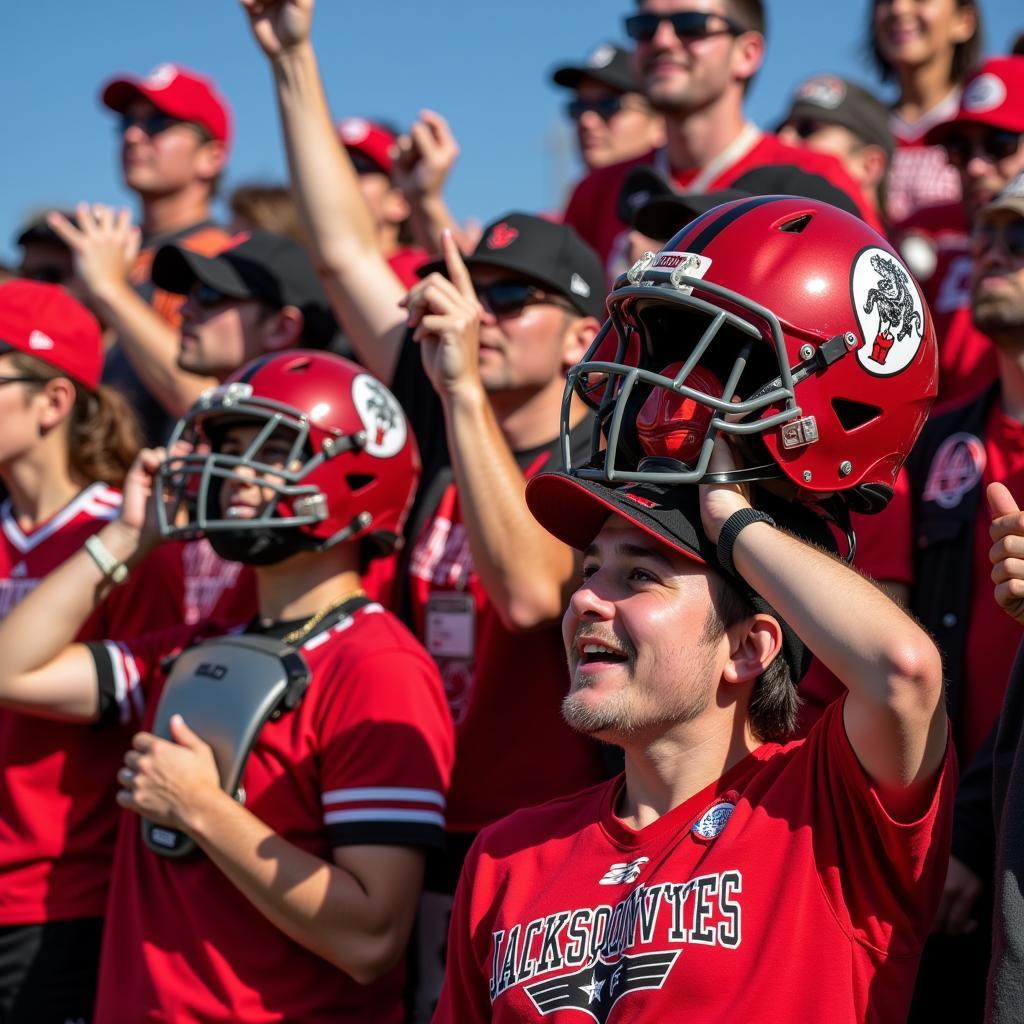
x: 483, y: 64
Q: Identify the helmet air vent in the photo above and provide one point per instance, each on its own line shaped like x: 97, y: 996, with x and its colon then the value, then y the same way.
x: 854, y: 414
x: 797, y: 224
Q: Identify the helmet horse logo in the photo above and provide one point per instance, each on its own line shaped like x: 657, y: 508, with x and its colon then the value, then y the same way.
x: 895, y: 304
x: 890, y: 311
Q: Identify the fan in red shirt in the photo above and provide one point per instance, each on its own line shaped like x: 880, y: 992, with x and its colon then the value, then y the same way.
x: 696, y: 60
x: 300, y: 898
x: 984, y: 142
x: 725, y: 854
x: 66, y: 446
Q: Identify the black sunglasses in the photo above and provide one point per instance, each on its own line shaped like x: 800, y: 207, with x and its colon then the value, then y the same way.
x: 1010, y: 236
x: 687, y: 25
x: 510, y: 298
x: 996, y: 144
x: 605, y: 108
x: 805, y: 127
x: 22, y: 380
x: 155, y: 123
x: 208, y: 298
x: 47, y: 275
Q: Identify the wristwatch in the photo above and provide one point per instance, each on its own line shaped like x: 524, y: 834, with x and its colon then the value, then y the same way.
x: 731, y: 530
x: 115, y: 571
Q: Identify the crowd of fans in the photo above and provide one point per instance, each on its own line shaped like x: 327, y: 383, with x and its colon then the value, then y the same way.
x: 316, y: 426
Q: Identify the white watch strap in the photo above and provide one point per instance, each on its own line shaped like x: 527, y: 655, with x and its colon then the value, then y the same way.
x: 115, y: 571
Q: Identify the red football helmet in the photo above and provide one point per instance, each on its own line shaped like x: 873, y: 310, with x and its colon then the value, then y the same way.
x: 785, y: 322
x: 351, y: 471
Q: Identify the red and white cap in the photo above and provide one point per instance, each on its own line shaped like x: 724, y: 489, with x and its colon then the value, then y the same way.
x: 373, y: 140
x: 176, y: 91
x: 44, y: 321
x: 993, y: 95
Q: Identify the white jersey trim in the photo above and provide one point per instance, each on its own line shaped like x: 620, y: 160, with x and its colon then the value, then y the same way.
x: 127, y: 691
x: 398, y: 793
x: 910, y: 131
x: 98, y: 500
x: 390, y: 814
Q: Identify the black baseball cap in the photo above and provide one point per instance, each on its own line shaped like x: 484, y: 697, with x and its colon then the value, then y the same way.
x: 606, y: 63
x: 38, y: 230
x: 831, y: 100
x: 663, y: 216
x: 254, y: 265
x: 574, y: 510
x: 543, y: 251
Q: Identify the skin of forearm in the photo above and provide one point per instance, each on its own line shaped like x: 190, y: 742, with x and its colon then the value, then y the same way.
x: 152, y: 346
x: 525, y: 571
x: 319, y: 905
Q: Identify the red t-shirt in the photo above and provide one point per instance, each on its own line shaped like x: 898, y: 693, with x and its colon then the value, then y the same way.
x: 967, y: 358
x: 57, y: 811
x: 920, y: 175
x: 592, y: 208
x: 885, y: 553
x: 782, y: 892
x: 364, y: 759
x: 406, y: 261
x: 505, y: 689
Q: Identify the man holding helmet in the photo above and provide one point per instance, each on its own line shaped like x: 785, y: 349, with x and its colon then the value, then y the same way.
x: 773, y: 361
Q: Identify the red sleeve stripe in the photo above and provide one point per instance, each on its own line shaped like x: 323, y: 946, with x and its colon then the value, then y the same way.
x: 126, y: 682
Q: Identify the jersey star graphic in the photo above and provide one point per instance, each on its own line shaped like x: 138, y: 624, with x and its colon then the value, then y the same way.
x: 593, y: 990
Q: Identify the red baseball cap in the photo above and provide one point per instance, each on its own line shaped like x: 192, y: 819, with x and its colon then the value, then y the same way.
x: 993, y: 95
x: 373, y: 140
x: 44, y: 321
x: 176, y: 91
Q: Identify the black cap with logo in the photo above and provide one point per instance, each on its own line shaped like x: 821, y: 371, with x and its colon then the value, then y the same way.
x: 543, y: 251
x: 270, y: 268
x: 826, y: 99
x: 608, y: 64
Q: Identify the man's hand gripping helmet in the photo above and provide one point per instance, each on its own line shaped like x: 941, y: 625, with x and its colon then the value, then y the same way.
x: 351, y: 472
x: 784, y: 322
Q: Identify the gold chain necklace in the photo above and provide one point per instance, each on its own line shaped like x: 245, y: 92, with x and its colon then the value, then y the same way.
x: 314, y: 620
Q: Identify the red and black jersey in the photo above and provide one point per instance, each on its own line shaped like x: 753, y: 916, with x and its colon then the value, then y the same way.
x: 57, y: 810
x: 364, y: 759
x: 593, y: 206
x: 566, y: 914
x: 967, y: 358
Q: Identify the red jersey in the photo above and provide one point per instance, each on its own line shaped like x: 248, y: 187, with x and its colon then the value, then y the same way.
x: 406, y: 261
x: 494, y: 702
x: 592, y: 208
x: 967, y: 358
x: 57, y: 810
x: 920, y: 175
x: 364, y: 759
x: 789, y: 862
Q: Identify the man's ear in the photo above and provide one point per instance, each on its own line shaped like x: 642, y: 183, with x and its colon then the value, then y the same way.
x: 210, y: 159
x: 754, y: 643
x: 282, y: 330
x: 579, y: 334
x: 747, y: 55
x: 873, y: 164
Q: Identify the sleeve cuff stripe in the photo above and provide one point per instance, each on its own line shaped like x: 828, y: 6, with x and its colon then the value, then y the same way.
x: 384, y: 814
x: 396, y: 793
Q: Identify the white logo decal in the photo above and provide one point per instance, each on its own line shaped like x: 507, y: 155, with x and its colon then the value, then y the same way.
x: 601, y: 56
x: 624, y: 872
x: 40, y: 341
x: 825, y: 92
x: 712, y: 822
x: 889, y: 310
x: 986, y: 92
x: 161, y: 76
x: 382, y: 416
x: 957, y: 468
x: 353, y: 130
x: 579, y: 287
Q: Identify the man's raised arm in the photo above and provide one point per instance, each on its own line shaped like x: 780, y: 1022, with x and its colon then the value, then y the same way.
x: 363, y: 290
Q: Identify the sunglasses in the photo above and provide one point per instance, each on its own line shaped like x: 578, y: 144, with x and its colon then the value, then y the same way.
x: 47, y: 275
x: 805, y: 127
x: 687, y: 25
x: 605, y: 108
x: 208, y: 298
x: 996, y: 144
x: 22, y: 380
x: 155, y: 123
x: 510, y: 298
x: 1010, y: 236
